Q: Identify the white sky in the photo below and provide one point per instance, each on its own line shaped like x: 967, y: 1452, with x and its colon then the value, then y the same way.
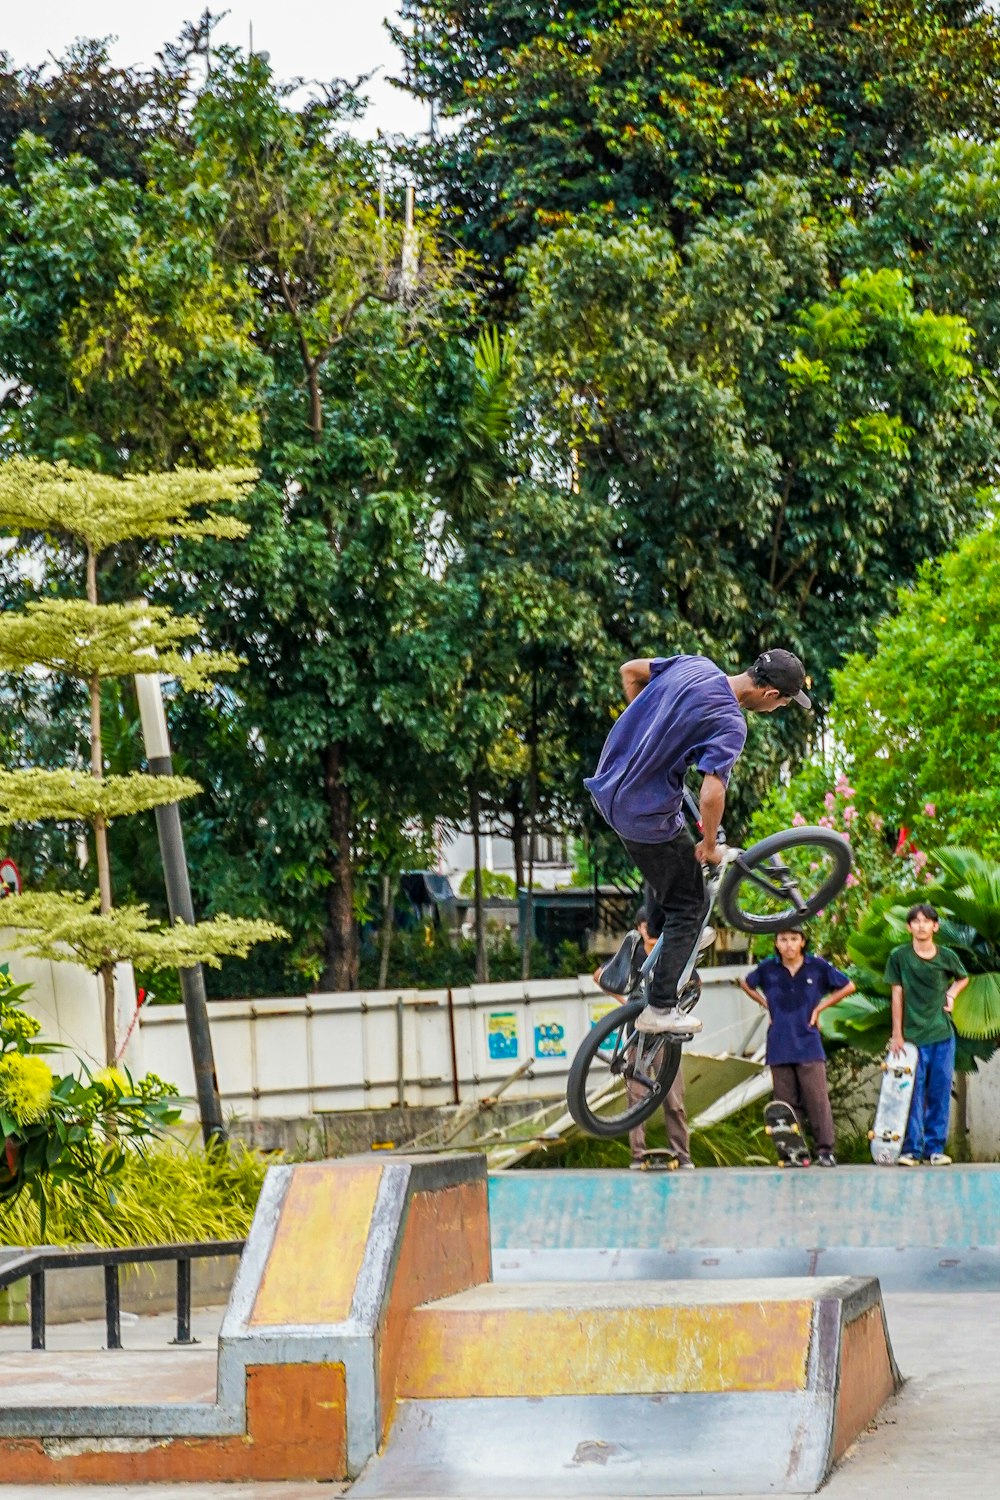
x: 306, y: 38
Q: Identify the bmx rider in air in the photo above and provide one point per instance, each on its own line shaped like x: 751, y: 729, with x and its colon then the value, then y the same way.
x: 682, y: 711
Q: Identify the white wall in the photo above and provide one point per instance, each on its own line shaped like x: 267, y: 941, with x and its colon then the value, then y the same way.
x: 983, y: 1114
x: 370, y: 1050
x: 69, y: 1002
x: 456, y: 858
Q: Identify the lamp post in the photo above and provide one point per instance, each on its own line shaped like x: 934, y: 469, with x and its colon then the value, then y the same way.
x: 181, y: 907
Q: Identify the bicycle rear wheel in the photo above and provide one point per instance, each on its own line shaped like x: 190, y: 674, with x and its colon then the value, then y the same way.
x: 620, y: 1076
x: 784, y: 879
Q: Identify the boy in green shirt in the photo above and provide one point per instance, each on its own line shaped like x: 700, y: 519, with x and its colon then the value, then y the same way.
x: 925, y: 980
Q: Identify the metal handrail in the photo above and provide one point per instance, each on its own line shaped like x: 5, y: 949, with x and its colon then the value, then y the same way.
x: 35, y: 1263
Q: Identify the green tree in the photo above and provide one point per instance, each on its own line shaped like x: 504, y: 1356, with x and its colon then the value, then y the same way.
x: 90, y: 642
x: 82, y: 105
x: 342, y: 602
x: 779, y: 452
x: 919, y: 720
x: 131, y: 352
x: 617, y: 109
x: 938, y: 221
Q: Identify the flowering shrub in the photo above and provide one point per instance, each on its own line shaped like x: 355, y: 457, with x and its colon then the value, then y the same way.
x: 64, y: 1128
x: 883, y: 866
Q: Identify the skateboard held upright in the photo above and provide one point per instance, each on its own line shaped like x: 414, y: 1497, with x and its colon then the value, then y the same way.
x: 787, y: 1136
x: 899, y: 1072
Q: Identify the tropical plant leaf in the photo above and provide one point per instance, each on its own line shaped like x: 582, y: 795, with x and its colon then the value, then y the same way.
x: 977, y: 1008
x: 859, y: 1021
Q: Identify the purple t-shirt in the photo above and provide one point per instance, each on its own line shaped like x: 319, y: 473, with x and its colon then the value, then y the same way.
x: 791, y: 1000
x: 686, y: 715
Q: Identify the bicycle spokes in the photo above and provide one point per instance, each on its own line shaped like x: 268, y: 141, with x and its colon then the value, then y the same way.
x: 791, y: 885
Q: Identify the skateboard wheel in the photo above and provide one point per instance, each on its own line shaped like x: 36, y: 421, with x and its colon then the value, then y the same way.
x: 769, y: 1129
x: 871, y: 1135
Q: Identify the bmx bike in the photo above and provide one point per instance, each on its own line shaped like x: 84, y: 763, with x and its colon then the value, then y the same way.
x: 620, y: 1076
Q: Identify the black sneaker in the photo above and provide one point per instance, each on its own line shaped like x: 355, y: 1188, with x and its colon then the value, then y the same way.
x: 619, y: 973
x: 826, y: 1159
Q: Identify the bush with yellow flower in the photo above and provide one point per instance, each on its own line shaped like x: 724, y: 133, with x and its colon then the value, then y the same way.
x: 66, y: 1128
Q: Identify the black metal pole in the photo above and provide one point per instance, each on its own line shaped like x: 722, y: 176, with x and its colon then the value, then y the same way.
x: 175, y: 872
x: 183, y: 1303
x: 112, y: 1307
x: 38, y: 1309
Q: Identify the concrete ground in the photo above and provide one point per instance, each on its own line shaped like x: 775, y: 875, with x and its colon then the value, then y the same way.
x: 937, y: 1440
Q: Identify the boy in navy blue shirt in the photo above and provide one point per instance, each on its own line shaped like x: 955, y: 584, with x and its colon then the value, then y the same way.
x: 683, y: 712
x: 793, y: 987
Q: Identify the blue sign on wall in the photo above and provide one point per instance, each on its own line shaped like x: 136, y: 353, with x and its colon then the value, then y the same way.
x: 501, y: 1035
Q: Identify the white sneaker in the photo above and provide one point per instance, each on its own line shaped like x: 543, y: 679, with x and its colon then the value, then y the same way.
x: 940, y: 1159
x: 659, y: 1021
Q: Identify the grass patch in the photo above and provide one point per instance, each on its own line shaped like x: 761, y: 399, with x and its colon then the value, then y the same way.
x: 167, y: 1196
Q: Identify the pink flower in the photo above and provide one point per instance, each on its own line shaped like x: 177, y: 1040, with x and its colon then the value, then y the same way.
x: 798, y: 821
x: 877, y: 823
x: 844, y: 788
x: 919, y: 860
x: 829, y: 801
x: 850, y: 813
x: 834, y: 919
x: 930, y: 809
x: 852, y: 879
x: 929, y: 878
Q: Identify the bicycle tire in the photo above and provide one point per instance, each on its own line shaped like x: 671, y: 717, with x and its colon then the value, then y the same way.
x: 577, y: 1099
x: 747, y: 865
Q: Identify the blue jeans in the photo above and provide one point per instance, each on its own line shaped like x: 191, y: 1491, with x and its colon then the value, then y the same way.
x: 930, y: 1107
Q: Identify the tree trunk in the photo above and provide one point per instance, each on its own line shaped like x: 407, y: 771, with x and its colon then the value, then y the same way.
x: 517, y: 838
x: 340, y: 968
x: 101, y: 851
x: 529, y: 901
x: 385, y: 936
x: 482, y: 958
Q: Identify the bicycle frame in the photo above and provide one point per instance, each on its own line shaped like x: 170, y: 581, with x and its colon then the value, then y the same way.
x: 713, y: 879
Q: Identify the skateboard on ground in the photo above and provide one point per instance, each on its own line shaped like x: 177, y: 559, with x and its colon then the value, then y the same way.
x: 787, y: 1136
x: 657, y: 1161
x: 893, y: 1109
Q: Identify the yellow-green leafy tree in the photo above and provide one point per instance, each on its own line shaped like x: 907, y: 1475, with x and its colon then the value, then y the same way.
x: 90, y: 641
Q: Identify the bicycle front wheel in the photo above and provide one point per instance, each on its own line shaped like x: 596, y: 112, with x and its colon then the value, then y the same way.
x: 784, y: 879
x: 620, y: 1076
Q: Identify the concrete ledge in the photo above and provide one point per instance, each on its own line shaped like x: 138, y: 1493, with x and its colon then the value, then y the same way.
x: 900, y: 1269
x: 863, y: 1208
x: 337, y: 1256
x: 640, y: 1390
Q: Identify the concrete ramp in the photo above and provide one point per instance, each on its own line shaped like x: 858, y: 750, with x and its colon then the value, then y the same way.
x: 640, y: 1388
x: 364, y: 1329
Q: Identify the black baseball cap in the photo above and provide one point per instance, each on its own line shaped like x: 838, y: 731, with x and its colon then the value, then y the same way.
x: 784, y: 671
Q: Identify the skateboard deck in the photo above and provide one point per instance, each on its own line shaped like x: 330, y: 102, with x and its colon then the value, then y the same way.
x: 893, y: 1109
x: 657, y: 1161
x: 787, y: 1136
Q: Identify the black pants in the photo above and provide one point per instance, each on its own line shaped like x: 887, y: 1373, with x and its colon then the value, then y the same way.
x: 679, y: 907
x: 803, y: 1085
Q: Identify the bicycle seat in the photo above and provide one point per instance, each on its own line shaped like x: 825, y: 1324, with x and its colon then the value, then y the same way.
x: 619, y: 973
